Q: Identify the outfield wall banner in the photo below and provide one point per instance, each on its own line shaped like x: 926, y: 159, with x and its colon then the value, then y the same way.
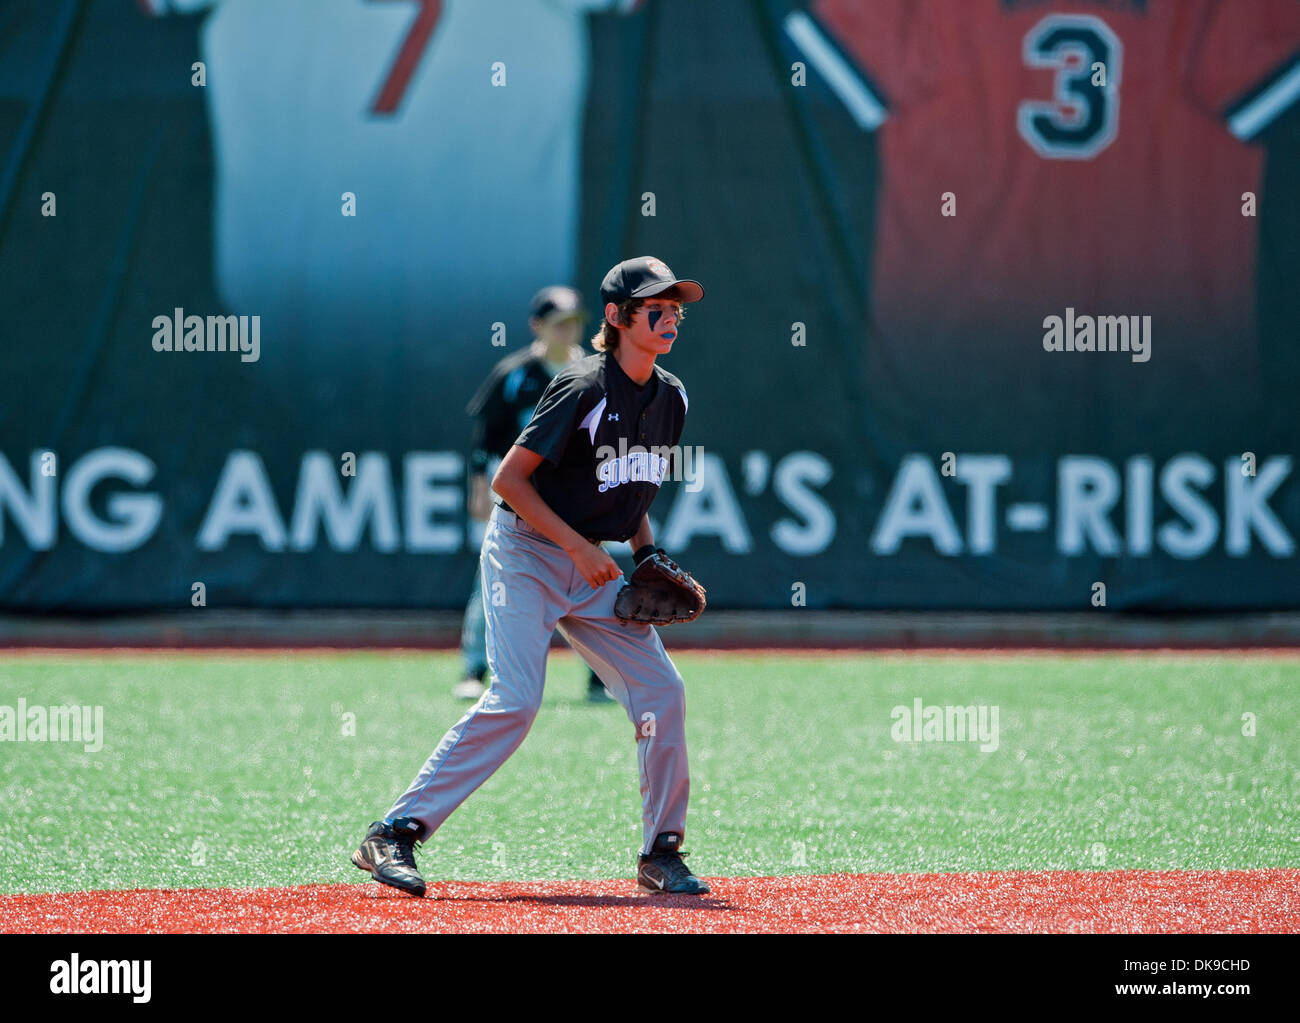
x: 1001, y: 296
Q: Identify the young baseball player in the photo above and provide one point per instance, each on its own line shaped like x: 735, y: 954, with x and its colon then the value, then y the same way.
x: 580, y: 473
x: 501, y: 408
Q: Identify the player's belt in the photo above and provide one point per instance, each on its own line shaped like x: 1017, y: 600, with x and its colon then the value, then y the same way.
x: 503, y: 512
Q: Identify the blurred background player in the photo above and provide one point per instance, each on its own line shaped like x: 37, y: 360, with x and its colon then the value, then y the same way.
x: 502, y: 407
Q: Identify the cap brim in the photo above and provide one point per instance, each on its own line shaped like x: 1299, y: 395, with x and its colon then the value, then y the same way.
x: 687, y: 291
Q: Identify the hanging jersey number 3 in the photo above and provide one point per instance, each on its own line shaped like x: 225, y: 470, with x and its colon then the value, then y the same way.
x: 1087, y: 57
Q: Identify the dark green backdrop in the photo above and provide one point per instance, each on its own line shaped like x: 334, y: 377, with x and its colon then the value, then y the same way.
x: 765, y: 192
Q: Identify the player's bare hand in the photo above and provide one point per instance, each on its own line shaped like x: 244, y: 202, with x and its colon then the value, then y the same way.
x: 595, y: 565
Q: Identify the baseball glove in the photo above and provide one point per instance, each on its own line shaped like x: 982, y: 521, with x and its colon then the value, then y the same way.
x: 659, y: 592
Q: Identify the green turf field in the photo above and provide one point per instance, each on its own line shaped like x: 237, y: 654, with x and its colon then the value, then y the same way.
x: 236, y: 770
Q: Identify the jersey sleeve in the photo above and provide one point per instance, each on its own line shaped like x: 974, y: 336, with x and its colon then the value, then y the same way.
x: 860, y: 51
x: 489, y: 391
x: 555, y: 420
x: 1244, y: 63
x: 495, y: 419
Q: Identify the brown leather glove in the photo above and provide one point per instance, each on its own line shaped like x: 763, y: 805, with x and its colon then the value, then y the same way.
x: 659, y: 592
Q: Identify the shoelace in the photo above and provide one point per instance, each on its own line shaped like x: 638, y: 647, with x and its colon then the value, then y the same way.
x: 673, y: 866
x: 403, y: 853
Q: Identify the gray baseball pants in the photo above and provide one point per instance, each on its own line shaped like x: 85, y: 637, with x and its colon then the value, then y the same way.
x: 530, y: 588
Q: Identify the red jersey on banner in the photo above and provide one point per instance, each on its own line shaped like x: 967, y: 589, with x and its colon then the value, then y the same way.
x: 1093, y: 152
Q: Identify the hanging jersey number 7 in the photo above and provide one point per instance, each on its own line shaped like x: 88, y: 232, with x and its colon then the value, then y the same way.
x: 393, y: 90
x: 1083, y: 119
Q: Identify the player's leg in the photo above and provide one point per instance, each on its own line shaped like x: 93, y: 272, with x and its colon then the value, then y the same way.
x: 641, y: 676
x: 522, y: 604
x: 472, y: 644
x: 596, y: 691
x: 520, y: 609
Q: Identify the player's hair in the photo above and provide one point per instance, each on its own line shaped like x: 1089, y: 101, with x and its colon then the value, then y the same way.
x: 607, y: 337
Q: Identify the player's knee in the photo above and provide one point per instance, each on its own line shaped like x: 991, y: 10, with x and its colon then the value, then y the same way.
x: 511, y: 712
x: 672, y: 688
x: 665, y: 714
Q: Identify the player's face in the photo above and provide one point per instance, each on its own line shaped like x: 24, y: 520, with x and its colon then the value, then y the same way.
x: 558, y: 333
x: 654, y: 326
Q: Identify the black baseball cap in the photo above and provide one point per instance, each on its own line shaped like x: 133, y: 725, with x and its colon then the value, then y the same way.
x: 645, y: 277
x: 555, y: 303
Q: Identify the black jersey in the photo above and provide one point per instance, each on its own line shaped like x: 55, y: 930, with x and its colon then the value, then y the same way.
x: 503, y: 405
x: 607, y: 444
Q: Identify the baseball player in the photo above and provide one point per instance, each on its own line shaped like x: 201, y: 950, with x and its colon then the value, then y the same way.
x: 585, y: 469
x: 502, y: 407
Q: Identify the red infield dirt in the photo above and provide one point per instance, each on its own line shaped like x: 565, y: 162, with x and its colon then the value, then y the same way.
x: 1014, y: 901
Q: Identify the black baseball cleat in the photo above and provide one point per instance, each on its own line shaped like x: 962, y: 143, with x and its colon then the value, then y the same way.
x: 388, y: 852
x: 664, y: 872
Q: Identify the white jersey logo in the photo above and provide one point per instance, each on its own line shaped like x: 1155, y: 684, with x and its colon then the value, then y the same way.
x: 636, y: 466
